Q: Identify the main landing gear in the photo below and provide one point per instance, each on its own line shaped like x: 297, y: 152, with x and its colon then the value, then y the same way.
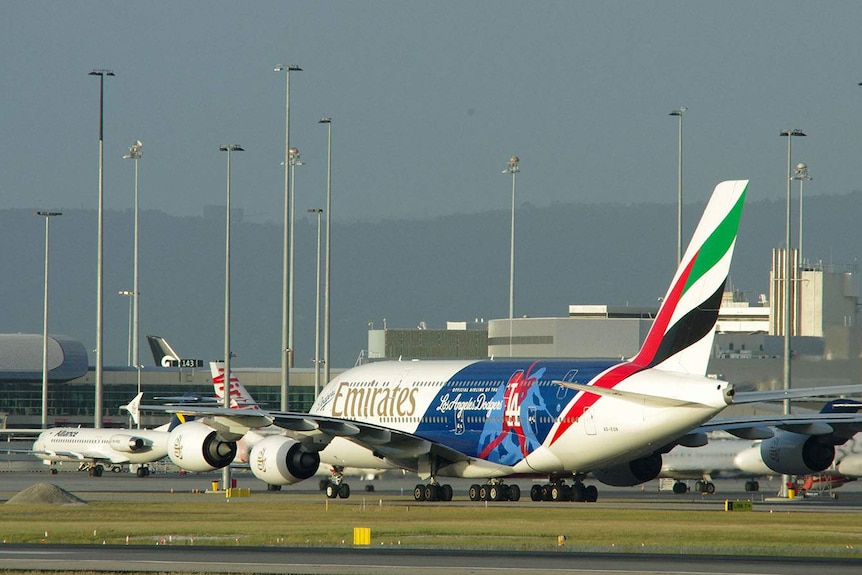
x: 494, y: 490
x: 559, y: 490
x: 432, y: 492
x: 700, y: 486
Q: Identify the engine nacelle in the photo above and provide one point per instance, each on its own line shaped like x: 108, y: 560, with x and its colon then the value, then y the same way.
x: 127, y: 443
x: 194, y: 446
x: 795, y: 454
x: 279, y: 460
x: 631, y: 473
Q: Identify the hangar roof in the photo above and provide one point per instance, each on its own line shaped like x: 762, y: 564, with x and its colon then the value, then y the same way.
x: 21, y: 358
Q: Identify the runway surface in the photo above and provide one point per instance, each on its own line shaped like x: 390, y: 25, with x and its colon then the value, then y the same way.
x: 128, y: 487
x: 388, y: 561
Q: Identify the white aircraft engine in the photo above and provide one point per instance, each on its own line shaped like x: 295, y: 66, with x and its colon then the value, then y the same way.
x: 279, y: 460
x: 631, y: 473
x: 194, y: 446
x: 128, y: 443
x: 796, y: 454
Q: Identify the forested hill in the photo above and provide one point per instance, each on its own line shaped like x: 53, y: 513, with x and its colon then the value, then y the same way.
x: 406, y: 271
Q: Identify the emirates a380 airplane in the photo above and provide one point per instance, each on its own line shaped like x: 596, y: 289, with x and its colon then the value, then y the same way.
x: 493, y: 420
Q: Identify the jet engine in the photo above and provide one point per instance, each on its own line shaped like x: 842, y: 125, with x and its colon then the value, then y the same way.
x: 279, y: 460
x: 194, y: 446
x: 127, y: 443
x: 795, y: 454
x: 631, y: 473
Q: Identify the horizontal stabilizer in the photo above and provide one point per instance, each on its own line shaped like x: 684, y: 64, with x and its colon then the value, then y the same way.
x: 656, y: 400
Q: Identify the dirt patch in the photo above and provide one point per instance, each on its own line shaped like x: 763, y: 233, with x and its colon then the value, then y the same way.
x: 46, y: 493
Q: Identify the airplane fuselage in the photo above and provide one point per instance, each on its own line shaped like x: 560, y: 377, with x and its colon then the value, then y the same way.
x: 510, y: 415
x: 113, y: 445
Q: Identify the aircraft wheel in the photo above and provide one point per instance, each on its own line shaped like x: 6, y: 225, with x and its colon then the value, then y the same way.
x: 344, y: 491
x: 431, y: 493
x: 514, y: 493
x: 473, y: 493
x: 142, y: 471
x: 557, y: 493
x: 591, y: 494
x: 98, y: 470
x: 578, y: 492
x: 536, y: 493
x: 446, y: 492
x: 332, y: 491
x: 710, y: 487
x: 679, y: 487
x: 419, y: 493
x: 483, y: 493
x: 752, y: 486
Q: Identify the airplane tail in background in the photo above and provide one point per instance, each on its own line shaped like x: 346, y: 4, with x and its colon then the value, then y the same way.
x: 239, y: 395
x: 134, y: 408
x: 680, y: 339
x: 163, y: 353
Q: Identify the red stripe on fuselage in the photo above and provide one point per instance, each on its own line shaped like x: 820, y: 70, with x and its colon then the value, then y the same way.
x: 640, y: 362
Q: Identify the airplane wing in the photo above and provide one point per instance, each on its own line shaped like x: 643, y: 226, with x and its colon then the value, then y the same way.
x: 385, y: 442
x: 759, y: 426
x: 388, y: 443
x: 741, y: 397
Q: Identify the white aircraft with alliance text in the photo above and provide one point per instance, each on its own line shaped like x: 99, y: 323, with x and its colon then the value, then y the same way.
x: 97, y: 448
x: 491, y: 420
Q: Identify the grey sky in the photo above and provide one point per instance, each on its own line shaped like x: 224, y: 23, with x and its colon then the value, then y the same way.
x: 428, y: 101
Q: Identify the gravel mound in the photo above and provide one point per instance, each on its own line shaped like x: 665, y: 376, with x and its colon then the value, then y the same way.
x: 46, y: 493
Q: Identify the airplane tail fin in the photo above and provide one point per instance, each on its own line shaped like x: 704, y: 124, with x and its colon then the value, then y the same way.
x: 134, y: 408
x: 163, y: 353
x: 842, y: 406
x: 680, y: 339
x: 239, y: 395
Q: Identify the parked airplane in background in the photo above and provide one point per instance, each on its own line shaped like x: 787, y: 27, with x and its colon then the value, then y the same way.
x: 816, y: 445
x: 494, y: 419
x: 835, y: 448
x: 705, y: 463
x: 97, y: 448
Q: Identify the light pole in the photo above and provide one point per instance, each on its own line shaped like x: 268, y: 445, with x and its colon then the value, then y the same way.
x: 328, y: 208
x: 513, y: 167
x: 135, y: 153
x: 317, y: 211
x: 226, y: 395
x: 803, y: 176
x: 99, y: 245
x: 294, y: 162
x: 287, y: 260
x: 789, y: 134
x: 678, y: 113
x: 130, y: 294
x: 47, y: 215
